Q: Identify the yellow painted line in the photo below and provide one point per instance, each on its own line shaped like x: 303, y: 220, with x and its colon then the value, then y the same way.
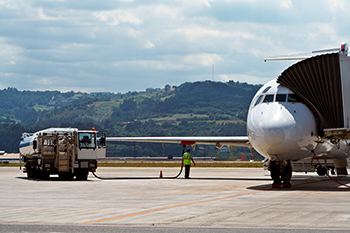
x: 188, y: 204
x: 170, y: 207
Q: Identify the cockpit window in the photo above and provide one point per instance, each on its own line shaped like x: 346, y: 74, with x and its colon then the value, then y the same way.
x: 281, y: 97
x: 267, y: 89
x: 293, y: 98
x: 268, y: 98
x: 258, y: 100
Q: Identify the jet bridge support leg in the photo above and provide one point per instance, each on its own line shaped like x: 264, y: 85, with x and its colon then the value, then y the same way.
x: 341, y: 167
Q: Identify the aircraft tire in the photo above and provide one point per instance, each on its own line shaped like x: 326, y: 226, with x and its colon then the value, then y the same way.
x: 275, y: 174
x: 287, y: 174
x: 321, y: 170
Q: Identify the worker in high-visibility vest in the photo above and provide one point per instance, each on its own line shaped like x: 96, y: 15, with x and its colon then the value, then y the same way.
x: 186, y: 160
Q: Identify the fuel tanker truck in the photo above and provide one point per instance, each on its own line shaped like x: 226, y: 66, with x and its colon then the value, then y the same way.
x: 68, y: 152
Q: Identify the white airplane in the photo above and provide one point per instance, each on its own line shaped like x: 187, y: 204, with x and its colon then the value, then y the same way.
x: 299, y: 116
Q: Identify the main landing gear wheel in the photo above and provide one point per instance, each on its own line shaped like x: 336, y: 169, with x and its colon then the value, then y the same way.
x: 281, y: 173
x: 321, y: 170
x: 275, y: 174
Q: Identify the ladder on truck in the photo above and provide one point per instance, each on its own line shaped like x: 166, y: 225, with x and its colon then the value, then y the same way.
x: 65, y: 153
x: 58, y: 147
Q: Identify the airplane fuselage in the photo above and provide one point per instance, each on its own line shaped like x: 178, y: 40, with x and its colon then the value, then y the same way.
x: 280, y: 127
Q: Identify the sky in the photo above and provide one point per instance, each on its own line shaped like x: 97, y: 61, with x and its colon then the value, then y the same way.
x: 130, y: 45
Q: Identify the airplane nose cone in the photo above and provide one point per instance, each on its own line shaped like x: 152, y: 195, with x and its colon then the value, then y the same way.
x: 274, y: 137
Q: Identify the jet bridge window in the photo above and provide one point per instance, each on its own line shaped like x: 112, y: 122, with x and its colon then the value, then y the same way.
x: 268, y: 98
x: 281, y: 97
x: 293, y: 98
x: 87, y: 140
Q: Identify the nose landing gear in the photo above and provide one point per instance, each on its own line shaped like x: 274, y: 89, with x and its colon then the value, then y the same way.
x: 281, y: 173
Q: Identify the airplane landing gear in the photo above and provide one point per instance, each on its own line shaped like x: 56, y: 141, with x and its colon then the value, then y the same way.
x: 321, y: 170
x: 275, y: 174
x: 281, y: 173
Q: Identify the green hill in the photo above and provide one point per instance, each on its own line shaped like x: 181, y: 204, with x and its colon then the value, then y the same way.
x: 201, y: 108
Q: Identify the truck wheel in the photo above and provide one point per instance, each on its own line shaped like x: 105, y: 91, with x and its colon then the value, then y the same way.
x: 36, y: 173
x: 29, y: 172
x: 82, y: 175
x: 45, y: 175
x: 65, y: 176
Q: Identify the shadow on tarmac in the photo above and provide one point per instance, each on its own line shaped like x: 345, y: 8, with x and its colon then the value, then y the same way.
x: 52, y: 179
x: 228, y: 178
x: 299, y: 183
x: 318, y: 184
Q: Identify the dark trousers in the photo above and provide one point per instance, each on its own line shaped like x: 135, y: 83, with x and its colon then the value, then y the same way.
x: 187, y: 171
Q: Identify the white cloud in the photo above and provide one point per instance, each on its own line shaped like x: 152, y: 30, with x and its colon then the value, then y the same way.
x: 165, y: 65
x: 202, y: 59
x: 42, y: 16
x: 132, y: 45
x: 9, y: 54
x: 45, y: 81
x: 287, y: 4
x: 243, y: 78
x: 116, y: 17
x: 195, y: 32
x: 149, y: 45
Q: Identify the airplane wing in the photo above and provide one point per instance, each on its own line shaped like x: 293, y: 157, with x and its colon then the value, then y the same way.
x: 230, y: 142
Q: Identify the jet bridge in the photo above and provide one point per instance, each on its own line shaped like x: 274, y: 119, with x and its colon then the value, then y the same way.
x: 323, y: 83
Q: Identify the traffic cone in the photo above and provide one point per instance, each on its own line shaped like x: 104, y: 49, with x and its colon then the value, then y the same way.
x: 161, y: 174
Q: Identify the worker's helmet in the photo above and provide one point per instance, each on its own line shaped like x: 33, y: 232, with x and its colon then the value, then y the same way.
x: 188, y: 149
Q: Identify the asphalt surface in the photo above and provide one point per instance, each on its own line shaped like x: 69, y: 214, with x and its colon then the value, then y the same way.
x: 214, y: 200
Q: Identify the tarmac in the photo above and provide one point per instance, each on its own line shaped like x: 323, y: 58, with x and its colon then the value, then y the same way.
x: 214, y: 198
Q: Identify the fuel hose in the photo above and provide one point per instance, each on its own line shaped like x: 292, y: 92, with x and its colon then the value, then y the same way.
x: 142, y: 177
x: 315, y: 157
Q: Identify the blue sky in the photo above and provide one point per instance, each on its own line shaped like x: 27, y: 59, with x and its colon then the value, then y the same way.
x: 126, y: 45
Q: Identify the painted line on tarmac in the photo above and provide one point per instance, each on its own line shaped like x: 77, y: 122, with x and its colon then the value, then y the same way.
x: 169, y: 207
x: 187, y: 204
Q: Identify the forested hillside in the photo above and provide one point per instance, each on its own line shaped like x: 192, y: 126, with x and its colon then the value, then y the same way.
x: 200, y: 109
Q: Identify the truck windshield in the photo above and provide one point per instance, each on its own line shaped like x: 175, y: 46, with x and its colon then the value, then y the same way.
x: 87, y: 140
